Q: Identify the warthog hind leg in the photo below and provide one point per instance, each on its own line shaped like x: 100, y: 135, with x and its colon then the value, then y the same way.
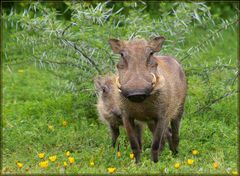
x: 175, y: 125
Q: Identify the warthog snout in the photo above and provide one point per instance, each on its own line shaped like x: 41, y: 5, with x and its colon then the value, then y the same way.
x: 136, y: 95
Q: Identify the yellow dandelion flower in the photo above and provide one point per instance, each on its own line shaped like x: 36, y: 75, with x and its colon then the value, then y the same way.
x: 92, y: 163
x: 19, y: 165
x: 131, y: 155
x: 64, y: 123
x: 234, y: 172
x: 71, y: 160
x: 20, y: 71
x: 41, y: 155
x: 53, y: 158
x: 111, y: 170
x: 177, y: 165
x: 190, y: 161
x: 67, y: 153
x: 43, y: 164
x: 65, y: 164
x: 195, y: 152
x: 215, y: 165
x: 50, y: 127
x: 118, y: 154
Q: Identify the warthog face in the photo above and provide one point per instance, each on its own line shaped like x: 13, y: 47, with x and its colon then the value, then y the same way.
x: 137, y: 66
x: 107, y: 89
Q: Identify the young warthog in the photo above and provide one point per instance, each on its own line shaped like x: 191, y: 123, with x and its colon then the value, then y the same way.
x: 108, y: 107
x: 153, y: 89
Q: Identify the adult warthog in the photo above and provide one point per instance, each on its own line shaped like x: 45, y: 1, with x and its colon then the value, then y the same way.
x: 153, y: 89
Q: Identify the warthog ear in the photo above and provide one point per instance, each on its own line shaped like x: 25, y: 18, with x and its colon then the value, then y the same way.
x: 156, y: 43
x: 116, y: 45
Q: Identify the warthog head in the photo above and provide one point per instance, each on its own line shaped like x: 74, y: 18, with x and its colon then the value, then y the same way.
x: 107, y: 90
x: 137, y: 67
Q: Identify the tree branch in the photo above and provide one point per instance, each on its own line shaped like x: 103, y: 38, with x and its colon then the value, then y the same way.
x: 80, y: 51
x: 215, y: 101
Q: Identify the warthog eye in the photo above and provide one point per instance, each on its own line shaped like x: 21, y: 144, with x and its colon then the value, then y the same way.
x: 104, y: 89
x: 123, y: 54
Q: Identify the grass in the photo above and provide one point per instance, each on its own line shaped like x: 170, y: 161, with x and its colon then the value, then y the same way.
x: 34, y: 112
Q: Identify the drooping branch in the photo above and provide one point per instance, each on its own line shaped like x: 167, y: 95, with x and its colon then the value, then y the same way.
x: 214, y: 101
x: 82, y: 52
x: 66, y: 28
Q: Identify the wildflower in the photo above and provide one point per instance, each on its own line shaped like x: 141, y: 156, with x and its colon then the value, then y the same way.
x: 20, y: 71
x: 65, y: 164
x: 177, y: 165
x: 71, y: 160
x: 111, y: 170
x: 64, y: 123
x: 118, y: 154
x: 215, y: 165
x: 43, y: 164
x: 50, y: 127
x: 234, y: 172
x: 41, y: 155
x: 195, y: 152
x: 190, y: 161
x: 53, y: 158
x: 67, y: 153
x: 131, y: 155
x: 92, y: 163
x: 19, y: 165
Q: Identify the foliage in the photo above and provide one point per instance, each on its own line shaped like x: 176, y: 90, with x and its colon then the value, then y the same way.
x: 77, y: 50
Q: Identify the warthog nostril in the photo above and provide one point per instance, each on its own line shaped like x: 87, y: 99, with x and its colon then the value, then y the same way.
x: 136, y: 96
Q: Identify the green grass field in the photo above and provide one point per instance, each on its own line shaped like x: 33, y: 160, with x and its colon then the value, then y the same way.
x: 34, y: 114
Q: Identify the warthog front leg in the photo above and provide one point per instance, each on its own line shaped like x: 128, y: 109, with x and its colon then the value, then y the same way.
x: 115, y: 133
x: 158, y: 137
x: 132, y: 136
x: 152, y: 127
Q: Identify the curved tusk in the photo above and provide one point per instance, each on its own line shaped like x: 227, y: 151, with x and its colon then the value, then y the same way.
x: 154, y: 79
x: 118, y: 83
